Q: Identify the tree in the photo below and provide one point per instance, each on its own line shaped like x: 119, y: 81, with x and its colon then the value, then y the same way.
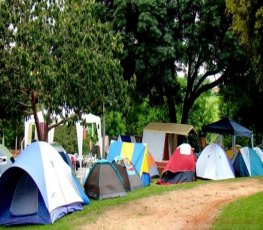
x: 241, y: 97
x: 56, y: 56
x: 164, y: 38
x: 248, y: 26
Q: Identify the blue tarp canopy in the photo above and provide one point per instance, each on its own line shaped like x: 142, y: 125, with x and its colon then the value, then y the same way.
x: 227, y: 126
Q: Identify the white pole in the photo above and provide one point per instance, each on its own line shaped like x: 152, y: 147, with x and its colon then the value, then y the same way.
x: 220, y: 140
x: 103, y: 135
x: 79, y: 128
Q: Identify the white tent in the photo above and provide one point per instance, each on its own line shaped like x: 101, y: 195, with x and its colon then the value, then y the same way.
x: 214, y: 164
x: 86, y: 118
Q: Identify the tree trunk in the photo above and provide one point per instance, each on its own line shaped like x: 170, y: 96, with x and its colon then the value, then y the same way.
x: 172, y: 109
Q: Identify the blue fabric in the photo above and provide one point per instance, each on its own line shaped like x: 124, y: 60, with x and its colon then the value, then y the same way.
x: 227, y: 126
x: 125, y: 138
x: 137, y: 159
x: 146, y: 179
x: 115, y: 150
x: 81, y: 190
x: 256, y: 166
x: 240, y: 167
x: 255, y: 163
x: 7, y: 186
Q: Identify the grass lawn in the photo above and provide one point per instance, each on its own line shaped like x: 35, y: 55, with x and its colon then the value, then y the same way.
x: 245, y: 213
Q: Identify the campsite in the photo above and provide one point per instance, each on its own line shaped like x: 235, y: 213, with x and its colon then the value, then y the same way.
x: 44, y: 186
x: 131, y: 114
x: 151, y: 180
x: 122, y: 184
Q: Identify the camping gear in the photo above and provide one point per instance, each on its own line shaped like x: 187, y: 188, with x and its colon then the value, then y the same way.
x: 130, y: 176
x: 39, y: 188
x: 137, y: 153
x: 213, y: 163
x: 181, y: 166
x: 163, y: 138
x: 104, y: 181
x: 228, y: 126
x: 248, y: 162
x: 5, y: 159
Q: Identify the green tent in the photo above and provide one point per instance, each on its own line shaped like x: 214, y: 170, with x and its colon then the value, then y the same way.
x: 5, y: 159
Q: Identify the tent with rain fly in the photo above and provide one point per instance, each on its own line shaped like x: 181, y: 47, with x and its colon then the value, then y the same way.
x: 39, y: 188
x: 213, y: 163
x: 181, y: 166
x: 248, y: 162
x: 137, y: 153
x: 104, y: 181
x: 5, y: 157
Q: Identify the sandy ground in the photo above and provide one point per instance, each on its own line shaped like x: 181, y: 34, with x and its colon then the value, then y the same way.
x: 182, y: 209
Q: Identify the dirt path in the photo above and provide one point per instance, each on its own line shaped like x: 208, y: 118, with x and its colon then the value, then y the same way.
x: 182, y: 209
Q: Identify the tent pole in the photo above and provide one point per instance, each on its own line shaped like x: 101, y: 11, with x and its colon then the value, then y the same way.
x: 233, y: 144
x: 103, y: 135
x: 79, y: 128
x: 220, y: 139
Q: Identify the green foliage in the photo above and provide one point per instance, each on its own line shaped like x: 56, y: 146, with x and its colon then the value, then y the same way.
x: 143, y: 113
x: 13, y: 133
x: 115, y: 124
x: 240, y: 97
x: 248, y: 26
x: 66, y: 136
x: 88, y: 60
x: 57, y: 54
x: 204, y: 110
x: 162, y: 39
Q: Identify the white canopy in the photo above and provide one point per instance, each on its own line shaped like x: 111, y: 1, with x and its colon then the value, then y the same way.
x: 87, y: 118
